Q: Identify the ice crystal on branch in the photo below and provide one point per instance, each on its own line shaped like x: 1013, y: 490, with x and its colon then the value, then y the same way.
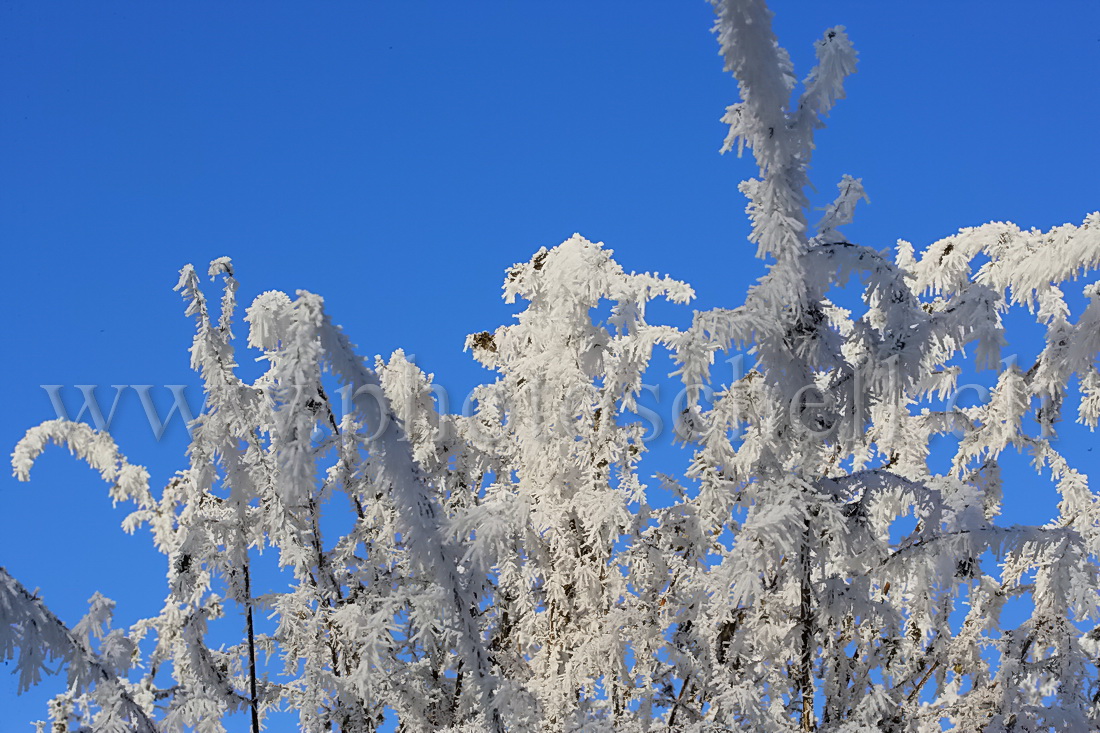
x: 508, y: 568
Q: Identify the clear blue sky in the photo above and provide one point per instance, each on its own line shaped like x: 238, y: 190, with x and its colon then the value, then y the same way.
x: 397, y: 157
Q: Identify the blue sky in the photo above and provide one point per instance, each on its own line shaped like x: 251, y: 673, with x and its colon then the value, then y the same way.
x: 397, y: 157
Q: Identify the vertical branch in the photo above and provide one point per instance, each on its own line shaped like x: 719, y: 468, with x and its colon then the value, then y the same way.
x: 806, y: 651
x: 252, y: 697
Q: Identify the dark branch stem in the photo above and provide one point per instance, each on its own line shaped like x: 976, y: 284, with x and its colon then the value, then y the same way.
x: 252, y: 696
x: 806, y: 652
